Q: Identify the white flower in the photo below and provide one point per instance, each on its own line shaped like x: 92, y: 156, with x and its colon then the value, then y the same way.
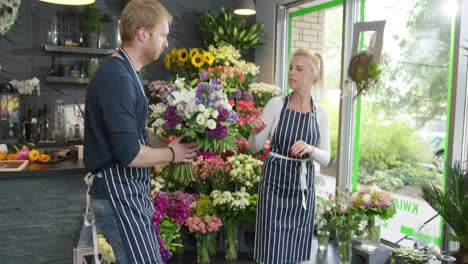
x: 214, y: 113
x: 183, y: 96
x: 180, y: 83
x: 201, y: 108
x: 211, y: 124
x: 366, y: 198
x: 201, y: 119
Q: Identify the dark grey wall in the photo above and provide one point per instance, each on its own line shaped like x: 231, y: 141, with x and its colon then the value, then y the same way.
x: 22, y: 54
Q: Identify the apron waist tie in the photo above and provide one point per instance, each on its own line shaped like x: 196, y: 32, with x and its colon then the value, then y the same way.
x: 302, y: 177
x: 89, y: 214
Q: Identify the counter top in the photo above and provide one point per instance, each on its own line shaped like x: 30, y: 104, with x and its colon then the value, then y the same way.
x: 70, y: 166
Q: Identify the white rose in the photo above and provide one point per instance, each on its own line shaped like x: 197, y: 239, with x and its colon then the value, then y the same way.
x: 201, y: 119
x: 201, y: 108
x: 214, y: 114
x: 211, y: 124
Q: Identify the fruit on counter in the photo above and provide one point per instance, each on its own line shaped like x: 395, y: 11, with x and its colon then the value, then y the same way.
x: 12, y: 156
x: 33, y: 155
x: 3, y: 155
x: 43, y: 157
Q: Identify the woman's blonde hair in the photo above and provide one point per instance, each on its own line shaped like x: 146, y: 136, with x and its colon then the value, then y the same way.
x: 316, y: 62
x: 141, y: 13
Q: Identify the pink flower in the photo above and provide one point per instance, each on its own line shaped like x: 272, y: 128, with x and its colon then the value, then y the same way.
x: 196, y: 220
x: 202, y: 228
x: 212, y: 227
x: 343, y: 208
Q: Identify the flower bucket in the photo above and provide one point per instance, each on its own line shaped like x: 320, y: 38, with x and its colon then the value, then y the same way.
x: 203, y: 256
x: 323, y: 237
x: 231, y: 243
x: 345, y: 241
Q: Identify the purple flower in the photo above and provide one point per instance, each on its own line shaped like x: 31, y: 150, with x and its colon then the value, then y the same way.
x: 161, y: 202
x: 247, y: 96
x: 219, y: 132
x: 166, y: 254
x: 204, y: 75
x: 223, y: 113
x: 237, y: 94
x: 172, y: 118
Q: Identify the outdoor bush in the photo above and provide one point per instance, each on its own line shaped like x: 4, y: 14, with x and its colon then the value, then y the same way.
x: 386, y: 145
x: 382, y: 180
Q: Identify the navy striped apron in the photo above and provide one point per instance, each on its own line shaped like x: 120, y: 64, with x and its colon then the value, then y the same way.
x: 129, y: 194
x: 285, y: 209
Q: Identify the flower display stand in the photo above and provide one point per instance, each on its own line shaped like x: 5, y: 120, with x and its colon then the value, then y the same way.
x: 84, y: 247
x: 381, y: 255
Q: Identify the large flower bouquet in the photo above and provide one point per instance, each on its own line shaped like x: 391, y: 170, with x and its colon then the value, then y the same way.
x: 187, y: 63
x: 246, y: 171
x: 373, y: 201
x: 263, y: 92
x: 211, y: 173
x: 202, y: 114
x: 375, y: 204
x: 232, y: 207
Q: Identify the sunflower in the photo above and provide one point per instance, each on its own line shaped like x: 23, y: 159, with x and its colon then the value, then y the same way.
x: 194, y: 51
x: 174, y: 55
x: 208, y: 57
x: 197, y: 60
x: 167, y: 62
x: 182, y: 55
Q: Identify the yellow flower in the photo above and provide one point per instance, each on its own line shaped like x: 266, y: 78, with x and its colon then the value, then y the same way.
x: 193, y: 51
x: 167, y: 62
x: 208, y: 57
x: 197, y: 60
x: 174, y: 55
x: 182, y: 56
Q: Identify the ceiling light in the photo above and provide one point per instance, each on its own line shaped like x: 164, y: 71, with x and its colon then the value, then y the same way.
x: 69, y: 2
x: 245, y: 7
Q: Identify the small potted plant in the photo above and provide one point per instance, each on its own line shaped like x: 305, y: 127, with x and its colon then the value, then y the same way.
x: 91, y: 24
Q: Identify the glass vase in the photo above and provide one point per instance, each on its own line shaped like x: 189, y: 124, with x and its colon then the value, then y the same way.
x: 345, y: 241
x: 231, y: 229
x: 202, y: 249
x: 323, y: 236
x: 371, y: 233
x: 212, y: 243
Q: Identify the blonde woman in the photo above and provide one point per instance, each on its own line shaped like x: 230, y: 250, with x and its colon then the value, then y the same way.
x: 298, y: 127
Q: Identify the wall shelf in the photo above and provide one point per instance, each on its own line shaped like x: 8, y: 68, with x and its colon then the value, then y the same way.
x: 80, y: 50
x: 60, y: 79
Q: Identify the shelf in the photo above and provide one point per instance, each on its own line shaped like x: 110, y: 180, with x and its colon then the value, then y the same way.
x: 60, y: 79
x: 80, y: 50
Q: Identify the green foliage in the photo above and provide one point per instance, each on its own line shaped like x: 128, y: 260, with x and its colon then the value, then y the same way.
x: 228, y: 29
x: 169, y: 231
x: 386, y: 144
x: 204, y: 206
x: 90, y: 20
x: 382, y: 180
x: 452, y: 204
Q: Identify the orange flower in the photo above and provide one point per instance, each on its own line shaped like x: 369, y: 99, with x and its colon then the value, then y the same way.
x: 33, y: 155
x: 3, y: 155
x: 12, y: 156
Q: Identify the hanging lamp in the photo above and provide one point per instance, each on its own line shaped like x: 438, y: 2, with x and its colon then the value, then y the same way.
x: 244, y: 8
x: 69, y: 2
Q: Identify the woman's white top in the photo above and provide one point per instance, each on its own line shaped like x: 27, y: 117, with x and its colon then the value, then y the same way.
x: 271, y: 114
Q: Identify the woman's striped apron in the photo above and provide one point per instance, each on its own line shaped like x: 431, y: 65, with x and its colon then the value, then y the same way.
x: 129, y: 194
x: 286, y: 197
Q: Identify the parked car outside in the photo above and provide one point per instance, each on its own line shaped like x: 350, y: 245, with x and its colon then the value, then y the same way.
x: 433, y: 133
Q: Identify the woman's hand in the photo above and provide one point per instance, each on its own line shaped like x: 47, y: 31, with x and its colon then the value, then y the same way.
x: 183, y: 152
x: 257, y: 125
x: 301, y: 148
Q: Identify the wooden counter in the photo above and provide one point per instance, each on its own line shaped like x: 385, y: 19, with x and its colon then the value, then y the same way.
x: 70, y: 166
